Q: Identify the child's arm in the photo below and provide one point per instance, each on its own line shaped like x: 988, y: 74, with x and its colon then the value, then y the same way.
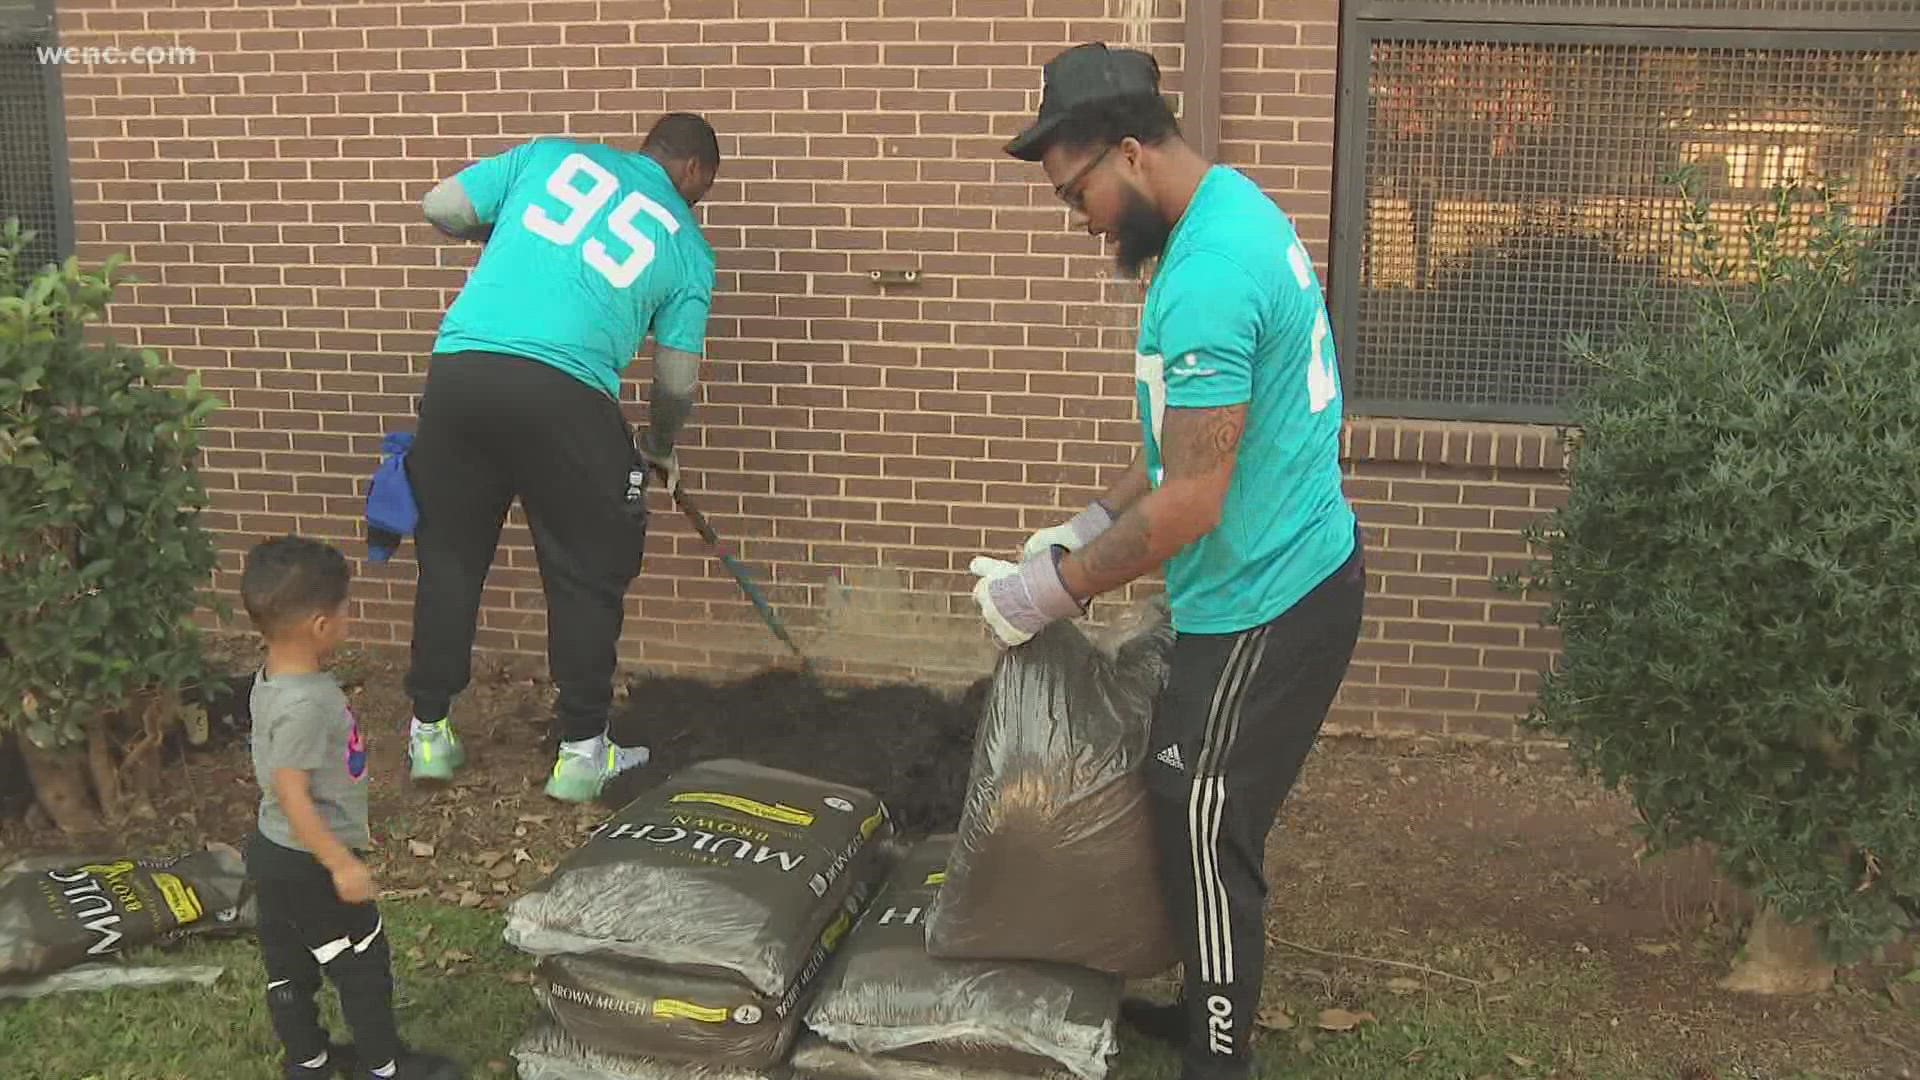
x: 351, y: 878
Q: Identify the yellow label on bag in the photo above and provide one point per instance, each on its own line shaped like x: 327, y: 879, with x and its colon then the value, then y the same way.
x: 671, y: 1009
x: 180, y: 898
x: 938, y: 877
x: 868, y: 826
x: 785, y: 815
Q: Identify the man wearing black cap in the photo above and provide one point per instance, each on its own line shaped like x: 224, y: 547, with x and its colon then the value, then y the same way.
x: 1235, y: 493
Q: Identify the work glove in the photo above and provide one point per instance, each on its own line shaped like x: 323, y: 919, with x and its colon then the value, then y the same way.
x: 1073, y: 534
x: 1018, y: 600
x: 666, y: 463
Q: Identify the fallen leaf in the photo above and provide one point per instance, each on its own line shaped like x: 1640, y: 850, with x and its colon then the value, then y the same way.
x: 416, y: 953
x: 471, y: 899
x: 498, y: 1068
x: 534, y: 819
x: 504, y: 869
x: 520, y: 855
x: 1274, y: 1018
x: 450, y: 895
x: 546, y: 868
x: 486, y: 859
x: 502, y: 887
x: 1404, y: 985
x: 406, y: 894
x: 523, y: 978
x: 1502, y: 973
x: 1523, y: 1062
x: 519, y: 830
x: 420, y: 849
x: 1654, y: 950
x: 455, y: 956
x: 1342, y: 1020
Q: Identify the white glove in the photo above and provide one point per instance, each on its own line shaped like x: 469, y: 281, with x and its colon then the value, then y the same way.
x: 1073, y: 534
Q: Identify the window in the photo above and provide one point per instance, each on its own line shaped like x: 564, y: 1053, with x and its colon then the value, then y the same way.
x: 1503, y: 179
x: 33, y: 154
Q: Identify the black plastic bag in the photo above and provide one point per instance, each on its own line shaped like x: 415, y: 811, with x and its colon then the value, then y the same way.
x: 883, y: 997
x: 727, y: 869
x: 1056, y: 858
x: 59, y: 913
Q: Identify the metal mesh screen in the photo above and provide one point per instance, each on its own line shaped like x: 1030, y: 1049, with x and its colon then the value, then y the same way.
x: 30, y: 177
x: 1513, y: 194
x: 1750, y: 14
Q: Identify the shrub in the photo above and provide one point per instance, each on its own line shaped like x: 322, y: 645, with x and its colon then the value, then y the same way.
x: 1733, y: 575
x: 102, y: 554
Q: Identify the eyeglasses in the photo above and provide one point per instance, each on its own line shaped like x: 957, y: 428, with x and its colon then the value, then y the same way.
x: 1069, y: 192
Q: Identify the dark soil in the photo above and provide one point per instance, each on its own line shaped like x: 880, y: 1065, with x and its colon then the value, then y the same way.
x: 909, y: 745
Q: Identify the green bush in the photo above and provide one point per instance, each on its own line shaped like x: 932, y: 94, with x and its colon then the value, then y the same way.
x: 1736, y: 575
x: 102, y: 555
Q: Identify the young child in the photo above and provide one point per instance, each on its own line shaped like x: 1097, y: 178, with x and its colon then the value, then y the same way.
x: 315, y: 896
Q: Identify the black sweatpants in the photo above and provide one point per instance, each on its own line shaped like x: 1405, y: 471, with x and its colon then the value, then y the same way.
x: 306, y: 931
x: 1230, y: 730
x: 491, y: 428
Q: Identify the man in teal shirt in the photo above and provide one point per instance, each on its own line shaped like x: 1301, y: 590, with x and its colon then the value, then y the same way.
x: 1235, y: 493
x: 589, y: 251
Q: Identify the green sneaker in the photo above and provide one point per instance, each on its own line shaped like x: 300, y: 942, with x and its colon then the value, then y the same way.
x: 579, y: 774
x: 434, y: 751
x: 577, y: 777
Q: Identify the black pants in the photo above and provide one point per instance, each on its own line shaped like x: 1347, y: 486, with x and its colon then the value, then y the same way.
x: 1230, y: 731
x: 491, y: 428
x: 306, y: 930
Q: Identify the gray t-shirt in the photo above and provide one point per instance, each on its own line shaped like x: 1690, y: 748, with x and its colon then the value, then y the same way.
x: 303, y: 722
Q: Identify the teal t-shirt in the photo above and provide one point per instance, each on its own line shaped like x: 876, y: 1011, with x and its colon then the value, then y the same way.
x: 1235, y: 315
x: 592, y: 249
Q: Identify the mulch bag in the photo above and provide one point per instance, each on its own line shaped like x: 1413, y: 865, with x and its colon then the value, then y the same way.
x: 57, y: 914
x: 1056, y: 858
x: 883, y: 996
x: 727, y: 869
x: 815, y: 1058
x: 549, y: 1053
x: 628, y: 1007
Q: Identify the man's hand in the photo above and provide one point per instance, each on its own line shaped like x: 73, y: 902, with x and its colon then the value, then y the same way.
x: 1020, y: 600
x: 666, y: 464
x: 353, y: 882
x: 1075, y: 533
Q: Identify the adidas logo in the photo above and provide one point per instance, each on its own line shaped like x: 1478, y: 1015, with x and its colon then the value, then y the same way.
x: 1171, y: 756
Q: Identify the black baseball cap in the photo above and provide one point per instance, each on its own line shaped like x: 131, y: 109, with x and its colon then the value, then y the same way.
x: 1081, y: 75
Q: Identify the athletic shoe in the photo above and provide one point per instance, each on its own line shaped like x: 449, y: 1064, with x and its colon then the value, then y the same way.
x: 434, y: 751
x: 583, y: 768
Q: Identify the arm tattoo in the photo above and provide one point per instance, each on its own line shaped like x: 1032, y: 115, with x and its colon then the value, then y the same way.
x: 1119, y: 551
x: 1200, y: 442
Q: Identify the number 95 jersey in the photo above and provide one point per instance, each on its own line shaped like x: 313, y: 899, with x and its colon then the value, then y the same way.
x: 592, y: 249
x: 1235, y: 316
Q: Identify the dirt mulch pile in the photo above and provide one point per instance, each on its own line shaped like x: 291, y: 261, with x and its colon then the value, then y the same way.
x: 910, y: 745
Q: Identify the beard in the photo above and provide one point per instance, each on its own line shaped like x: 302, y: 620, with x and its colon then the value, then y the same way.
x: 1140, y: 235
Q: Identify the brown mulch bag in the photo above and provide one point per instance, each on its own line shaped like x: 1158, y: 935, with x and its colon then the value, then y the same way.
x: 56, y: 914
x: 1056, y: 858
x: 628, y: 1007
x: 549, y: 1053
x: 884, y: 999
x: 815, y: 1058
x: 726, y: 870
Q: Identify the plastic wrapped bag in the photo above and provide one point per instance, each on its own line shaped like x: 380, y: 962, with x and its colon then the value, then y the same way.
x: 815, y: 1058
x: 628, y: 1007
x: 883, y: 996
x: 548, y: 1053
x: 1056, y: 858
x: 726, y: 869
x: 59, y: 913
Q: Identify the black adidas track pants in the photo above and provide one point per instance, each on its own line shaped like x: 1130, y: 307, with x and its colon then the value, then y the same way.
x: 1230, y: 731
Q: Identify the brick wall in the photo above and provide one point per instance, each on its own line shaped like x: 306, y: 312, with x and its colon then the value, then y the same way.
x: 859, y: 443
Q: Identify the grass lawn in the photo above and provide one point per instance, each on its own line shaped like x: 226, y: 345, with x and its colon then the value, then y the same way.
x: 463, y: 991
